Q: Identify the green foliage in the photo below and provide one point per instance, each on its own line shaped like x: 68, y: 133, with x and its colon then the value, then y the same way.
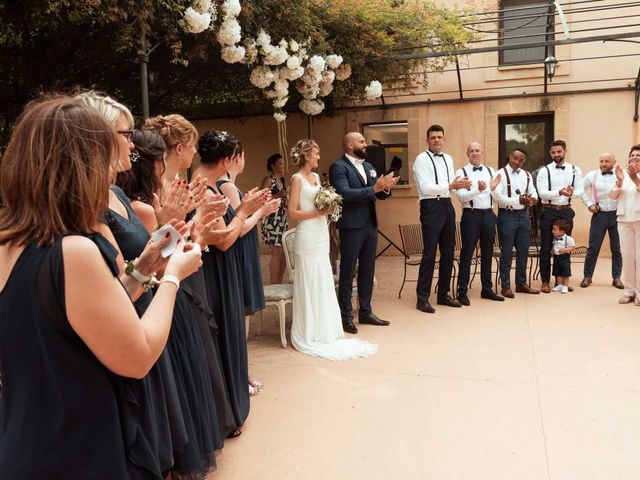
x: 62, y: 44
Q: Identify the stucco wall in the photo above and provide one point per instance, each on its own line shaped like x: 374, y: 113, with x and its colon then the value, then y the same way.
x: 590, y: 123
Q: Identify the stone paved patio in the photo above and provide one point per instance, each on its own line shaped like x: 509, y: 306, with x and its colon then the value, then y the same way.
x: 539, y: 387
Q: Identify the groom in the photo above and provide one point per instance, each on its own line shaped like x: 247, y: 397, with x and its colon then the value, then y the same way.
x: 360, y: 185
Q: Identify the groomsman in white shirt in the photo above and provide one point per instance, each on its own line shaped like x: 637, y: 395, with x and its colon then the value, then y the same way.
x: 603, y: 219
x: 512, y: 188
x: 558, y: 182
x: 478, y: 223
x: 433, y: 173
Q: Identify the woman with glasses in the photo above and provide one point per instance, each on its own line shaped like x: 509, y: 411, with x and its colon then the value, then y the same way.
x: 184, y: 433
x: 69, y: 335
x: 627, y: 191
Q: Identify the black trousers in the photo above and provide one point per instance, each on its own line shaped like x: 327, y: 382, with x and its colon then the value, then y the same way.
x: 438, y: 221
x: 601, y: 223
x: 476, y: 225
x: 547, y: 217
x: 357, y: 246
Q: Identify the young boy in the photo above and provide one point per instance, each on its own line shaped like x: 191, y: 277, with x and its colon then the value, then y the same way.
x: 561, y: 246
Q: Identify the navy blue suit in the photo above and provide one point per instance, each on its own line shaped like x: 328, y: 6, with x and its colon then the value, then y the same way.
x: 358, y: 229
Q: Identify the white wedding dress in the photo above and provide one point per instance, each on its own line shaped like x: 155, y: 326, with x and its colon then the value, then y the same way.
x: 317, y: 325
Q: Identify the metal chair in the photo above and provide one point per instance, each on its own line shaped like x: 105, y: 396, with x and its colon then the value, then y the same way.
x: 279, y: 295
x: 412, y: 245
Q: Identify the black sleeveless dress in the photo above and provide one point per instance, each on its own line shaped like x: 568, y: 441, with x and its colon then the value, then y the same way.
x: 252, y: 286
x: 223, y: 277
x: 201, y: 311
x: 60, y: 414
x: 193, y: 446
x: 154, y: 400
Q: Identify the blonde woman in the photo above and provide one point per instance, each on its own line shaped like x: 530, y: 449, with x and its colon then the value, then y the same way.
x: 317, y: 325
x: 69, y: 335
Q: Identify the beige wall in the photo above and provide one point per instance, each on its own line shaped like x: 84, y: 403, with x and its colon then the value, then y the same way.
x: 590, y: 123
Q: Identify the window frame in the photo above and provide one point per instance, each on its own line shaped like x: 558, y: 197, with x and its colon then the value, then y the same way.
x: 548, y: 118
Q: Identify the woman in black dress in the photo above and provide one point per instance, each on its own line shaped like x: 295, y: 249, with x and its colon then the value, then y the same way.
x: 253, y: 288
x: 61, y: 355
x: 223, y: 273
x: 141, y: 183
x: 151, y: 406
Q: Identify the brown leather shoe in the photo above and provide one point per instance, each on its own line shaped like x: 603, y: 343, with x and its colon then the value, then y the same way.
x: 586, y: 281
x: 617, y: 283
x: 545, y: 287
x: 526, y: 289
x: 507, y: 293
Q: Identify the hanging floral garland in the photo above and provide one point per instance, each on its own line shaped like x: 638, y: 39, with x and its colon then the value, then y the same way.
x: 274, y: 66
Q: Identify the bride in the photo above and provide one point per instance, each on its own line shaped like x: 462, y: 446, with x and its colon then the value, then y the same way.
x: 317, y: 326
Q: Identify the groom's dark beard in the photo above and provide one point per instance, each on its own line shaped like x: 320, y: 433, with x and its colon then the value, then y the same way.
x: 361, y: 153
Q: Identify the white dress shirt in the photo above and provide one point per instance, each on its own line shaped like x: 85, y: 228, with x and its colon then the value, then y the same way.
x: 433, y: 183
x: 600, y: 185
x: 480, y: 199
x: 518, y: 184
x: 628, y: 197
x: 560, y: 178
x: 562, y: 242
x: 356, y: 162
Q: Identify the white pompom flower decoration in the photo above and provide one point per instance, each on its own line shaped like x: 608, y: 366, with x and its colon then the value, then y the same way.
x: 280, y: 102
x: 316, y: 63
x: 261, y: 77
x: 233, y: 54
x: 373, y: 91
x: 195, y: 22
x: 280, y: 116
x: 263, y: 40
x: 230, y: 32
x: 311, y: 107
x: 334, y: 61
x: 275, y: 55
x: 293, y: 62
x: 231, y: 8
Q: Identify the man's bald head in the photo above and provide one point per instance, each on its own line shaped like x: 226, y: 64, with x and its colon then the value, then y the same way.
x: 607, y: 160
x: 475, y: 153
x: 354, y: 144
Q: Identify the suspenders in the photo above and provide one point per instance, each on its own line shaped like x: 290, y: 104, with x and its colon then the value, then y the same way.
x: 435, y: 171
x: 573, y: 178
x: 464, y: 171
x: 506, y: 174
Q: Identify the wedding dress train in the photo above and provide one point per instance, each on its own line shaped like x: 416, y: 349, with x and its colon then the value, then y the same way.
x: 317, y: 325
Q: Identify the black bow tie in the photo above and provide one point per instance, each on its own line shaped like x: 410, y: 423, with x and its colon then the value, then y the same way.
x: 475, y: 169
x: 610, y: 172
x: 437, y: 154
x: 516, y: 171
x: 560, y: 166
x: 560, y: 238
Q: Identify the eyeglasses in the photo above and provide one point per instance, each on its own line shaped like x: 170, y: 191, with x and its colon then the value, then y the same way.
x: 128, y: 134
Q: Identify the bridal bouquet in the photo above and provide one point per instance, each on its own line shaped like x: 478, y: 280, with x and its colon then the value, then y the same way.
x: 327, y: 197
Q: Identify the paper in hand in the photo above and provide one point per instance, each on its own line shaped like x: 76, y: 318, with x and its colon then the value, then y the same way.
x: 160, y: 234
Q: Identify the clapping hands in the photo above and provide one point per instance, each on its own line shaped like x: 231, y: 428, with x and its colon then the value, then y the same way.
x: 495, y: 181
x: 460, y: 183
x: 567, y: 191
x: 180, y: 198
x: 619, y: 175
x: 385, y: 182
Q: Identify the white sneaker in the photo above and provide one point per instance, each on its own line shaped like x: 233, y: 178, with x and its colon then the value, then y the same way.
x: 565, y: 289
x: 557, y: 288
